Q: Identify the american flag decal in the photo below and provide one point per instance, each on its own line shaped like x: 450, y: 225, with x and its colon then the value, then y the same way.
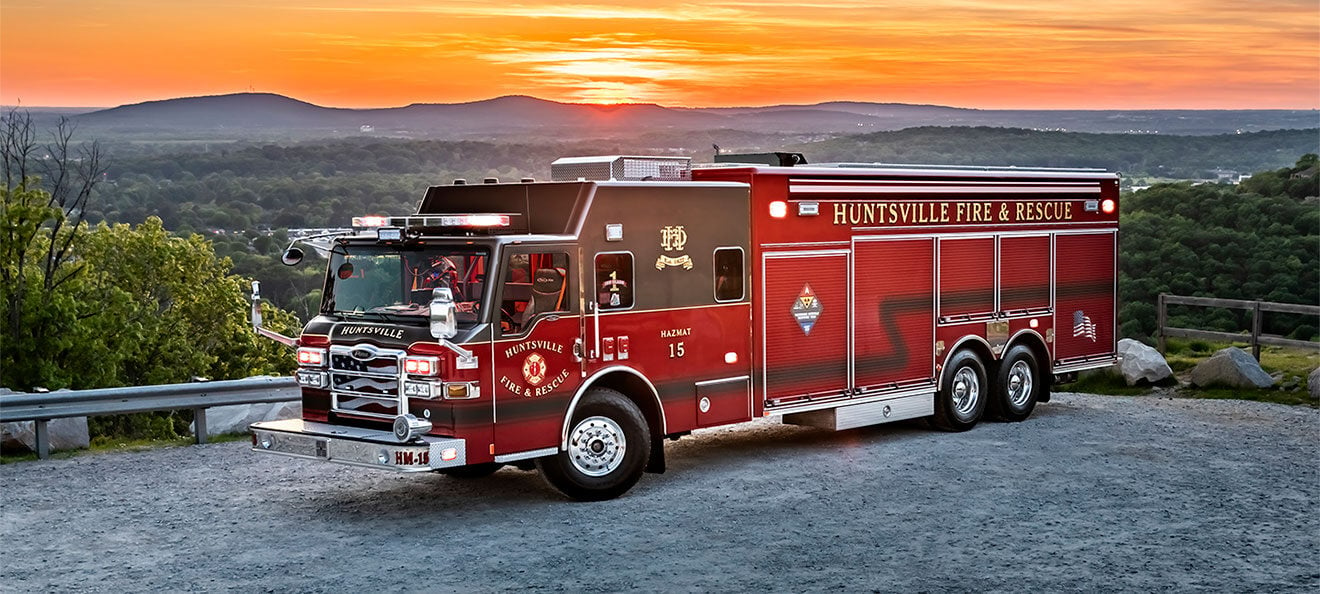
x: 1083, y: 326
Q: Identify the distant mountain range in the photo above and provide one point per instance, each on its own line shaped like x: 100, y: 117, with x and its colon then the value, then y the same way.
x: 246, y: 114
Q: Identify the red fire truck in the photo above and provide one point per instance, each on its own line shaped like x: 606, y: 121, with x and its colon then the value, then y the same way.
x: 574, y: 325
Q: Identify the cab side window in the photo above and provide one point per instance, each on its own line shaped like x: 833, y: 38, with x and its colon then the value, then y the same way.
x: 614, y: 280
x: 534, y: 285
x: 729, y: 274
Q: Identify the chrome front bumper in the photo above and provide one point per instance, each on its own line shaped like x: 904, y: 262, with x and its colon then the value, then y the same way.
x: 355, y: 446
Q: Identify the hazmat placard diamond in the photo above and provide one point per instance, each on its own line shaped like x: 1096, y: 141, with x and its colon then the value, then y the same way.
x: 806, y: 309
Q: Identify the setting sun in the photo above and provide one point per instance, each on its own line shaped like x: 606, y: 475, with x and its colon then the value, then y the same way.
x: 971, y: 53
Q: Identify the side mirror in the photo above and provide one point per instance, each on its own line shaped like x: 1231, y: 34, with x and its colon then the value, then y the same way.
x: 292, y: 256
x: 444, y: 314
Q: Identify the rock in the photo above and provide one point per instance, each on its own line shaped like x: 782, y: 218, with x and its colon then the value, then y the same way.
x: 1141, y: 363
x: 1291, y: 384
x: 1231, y: 367
x: 65, y: 434
x: 1313, y: 383
x: 223, y: 420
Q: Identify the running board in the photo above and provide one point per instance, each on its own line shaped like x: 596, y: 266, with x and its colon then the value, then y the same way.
x: 870, y: 413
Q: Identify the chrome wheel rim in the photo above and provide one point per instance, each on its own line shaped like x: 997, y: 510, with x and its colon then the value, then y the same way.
x: 596, y: 446
x: 1019, y: 384
x: 966, y: 391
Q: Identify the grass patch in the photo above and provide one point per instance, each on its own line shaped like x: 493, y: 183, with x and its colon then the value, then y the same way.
x: 1107, y: 383
x: 1183, y: 355
x: 105, y: 444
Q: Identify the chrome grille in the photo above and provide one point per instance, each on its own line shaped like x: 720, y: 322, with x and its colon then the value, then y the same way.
x: 364, y: 380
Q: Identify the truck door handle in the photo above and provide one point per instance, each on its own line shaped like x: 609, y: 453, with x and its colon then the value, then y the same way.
x: 577, y: 350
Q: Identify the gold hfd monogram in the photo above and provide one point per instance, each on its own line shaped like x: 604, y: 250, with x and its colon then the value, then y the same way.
x: 673, y: 238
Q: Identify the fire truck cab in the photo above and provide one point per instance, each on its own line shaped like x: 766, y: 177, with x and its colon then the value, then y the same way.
x: 575, y: 324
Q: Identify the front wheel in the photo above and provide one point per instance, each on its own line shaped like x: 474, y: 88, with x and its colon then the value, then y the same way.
x: 960, y: 403
x: 1018, y: 385
x: 608, y: 448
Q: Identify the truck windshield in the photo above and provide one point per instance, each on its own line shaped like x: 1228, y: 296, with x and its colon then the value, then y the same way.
x: 395, y: 282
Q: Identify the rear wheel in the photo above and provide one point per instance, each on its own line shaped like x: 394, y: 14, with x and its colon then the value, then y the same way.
x: 608, y: 447
x: 960, y: 403
x: 1018, y: 385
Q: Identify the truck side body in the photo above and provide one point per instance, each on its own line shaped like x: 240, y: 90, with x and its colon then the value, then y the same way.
x: 834, y: 296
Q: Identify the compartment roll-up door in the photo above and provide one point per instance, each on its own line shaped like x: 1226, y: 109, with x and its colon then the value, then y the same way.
x: 805, y: 315
x: 1024, y: 273
x: 1084, y: 294
x: 967, y: 277
x: 893, y: 312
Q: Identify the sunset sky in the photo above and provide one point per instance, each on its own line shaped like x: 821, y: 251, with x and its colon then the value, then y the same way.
x: 1108, y: 54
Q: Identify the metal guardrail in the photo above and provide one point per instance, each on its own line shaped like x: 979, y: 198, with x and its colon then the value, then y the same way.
x: 1257, y: 309
x: 199, y: 396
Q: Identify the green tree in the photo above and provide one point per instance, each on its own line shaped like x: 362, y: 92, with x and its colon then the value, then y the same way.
x: 1254, y: 241
x: 46, y: 191
x: 183, y: 313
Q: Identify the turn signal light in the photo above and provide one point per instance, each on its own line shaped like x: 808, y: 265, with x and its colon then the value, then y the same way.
x: 1108, y: 206
x: 421, y: 365
x: 779, y: 209
x: 311, y: 357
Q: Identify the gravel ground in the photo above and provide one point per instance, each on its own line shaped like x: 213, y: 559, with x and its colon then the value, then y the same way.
x: 1092, y: 493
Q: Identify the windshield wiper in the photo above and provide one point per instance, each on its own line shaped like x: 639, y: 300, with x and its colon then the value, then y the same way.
x: 379, y: 316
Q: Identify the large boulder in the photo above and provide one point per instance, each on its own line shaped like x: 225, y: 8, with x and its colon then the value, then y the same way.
x: 1141, y: 363
x: 223, y: 420
x: 1313, y: 383
x: 1233, y: 368
x: 65, y: 434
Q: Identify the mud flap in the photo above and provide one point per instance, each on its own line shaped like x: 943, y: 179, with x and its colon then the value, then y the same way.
x: 657, y: 462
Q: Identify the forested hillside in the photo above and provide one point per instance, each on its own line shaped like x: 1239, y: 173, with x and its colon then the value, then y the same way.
x: 1133, y: 155
x: 236, y: 187
x: 1257, y: 240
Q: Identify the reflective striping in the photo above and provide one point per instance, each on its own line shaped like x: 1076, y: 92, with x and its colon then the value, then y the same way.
x: 541, y: 453
x: 935, y: 189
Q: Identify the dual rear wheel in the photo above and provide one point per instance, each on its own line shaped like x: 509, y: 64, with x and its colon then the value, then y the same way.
x: 968, y: 392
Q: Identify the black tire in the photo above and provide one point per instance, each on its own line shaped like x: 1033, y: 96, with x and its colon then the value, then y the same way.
x: 964, y: 388
x: 609, y: 445
x: 472, y: 471
x: 1018, y: 385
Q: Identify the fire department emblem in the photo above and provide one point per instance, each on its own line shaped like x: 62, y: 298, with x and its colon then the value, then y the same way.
x: 534, y: 369
x: 672, y: 239
x: 806, y: 309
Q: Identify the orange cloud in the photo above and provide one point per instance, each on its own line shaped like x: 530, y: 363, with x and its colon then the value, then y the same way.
x: 972, y: 53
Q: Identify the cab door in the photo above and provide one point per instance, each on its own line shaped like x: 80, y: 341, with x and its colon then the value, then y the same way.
x: 537, y: 328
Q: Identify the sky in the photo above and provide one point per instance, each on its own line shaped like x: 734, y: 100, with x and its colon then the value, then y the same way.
x: 992, y: 54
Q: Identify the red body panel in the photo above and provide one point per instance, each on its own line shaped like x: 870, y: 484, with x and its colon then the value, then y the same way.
x: 894, y: 303
x: 1024, y: 273
x: 1084, y: 294
x: 679, y: 348
x: 967, y: 278
x: 804, y: 312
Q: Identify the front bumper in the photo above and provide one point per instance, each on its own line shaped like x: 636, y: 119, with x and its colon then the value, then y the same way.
x: 356, y: 446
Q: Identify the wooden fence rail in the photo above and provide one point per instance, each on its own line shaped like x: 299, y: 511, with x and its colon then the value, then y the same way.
x: 1257, y: 309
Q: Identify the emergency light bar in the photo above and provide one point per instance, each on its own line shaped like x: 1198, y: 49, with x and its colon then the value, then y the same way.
x: 370, y: 221
x: 475, y: 220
